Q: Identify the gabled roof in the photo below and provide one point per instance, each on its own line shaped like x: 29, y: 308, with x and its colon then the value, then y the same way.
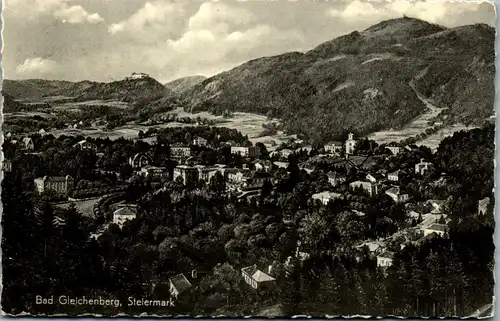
x: 396, y: 172
x: 180, y: 283
x: 129, y: 210
x: 250, y: 270
x: 393, y: 144
x: 260, y: 276
x: 27, y: 140
x: 334, y: 142
x: 394, y: 190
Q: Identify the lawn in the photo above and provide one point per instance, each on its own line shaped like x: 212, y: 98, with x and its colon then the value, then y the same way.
x: 84, y: 207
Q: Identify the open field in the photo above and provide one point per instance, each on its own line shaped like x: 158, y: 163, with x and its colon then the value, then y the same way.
x: 84, y: 207
x: 246, y: 123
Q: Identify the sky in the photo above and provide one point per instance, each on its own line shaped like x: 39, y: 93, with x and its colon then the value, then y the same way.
x: 105, y: 40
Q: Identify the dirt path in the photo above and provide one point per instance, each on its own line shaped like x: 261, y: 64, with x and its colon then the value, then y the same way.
x: 417, y: 125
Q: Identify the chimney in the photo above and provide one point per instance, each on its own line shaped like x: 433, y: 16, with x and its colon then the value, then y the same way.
x: 422, y: 160
x: 269, y: 269
x: 194, y: 274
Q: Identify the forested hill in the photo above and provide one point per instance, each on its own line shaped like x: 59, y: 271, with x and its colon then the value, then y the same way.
x: 360, y: 82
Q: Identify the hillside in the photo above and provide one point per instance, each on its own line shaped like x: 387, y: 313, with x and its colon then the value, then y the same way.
x: 33, y: 88
x: 360, y: 82
x: 181, y: 85
x: 134, y: 91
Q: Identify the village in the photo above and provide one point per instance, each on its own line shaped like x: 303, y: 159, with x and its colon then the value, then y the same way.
x: 354, y: 173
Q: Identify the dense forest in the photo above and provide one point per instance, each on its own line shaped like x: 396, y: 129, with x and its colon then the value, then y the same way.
x: 181, y: 228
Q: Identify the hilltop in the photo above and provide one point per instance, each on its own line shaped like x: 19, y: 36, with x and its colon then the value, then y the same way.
x: 131, y: 90
x: 360, y: 82
x: 181, y: 85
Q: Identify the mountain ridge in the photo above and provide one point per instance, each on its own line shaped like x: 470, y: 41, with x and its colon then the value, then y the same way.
x: 360, y: 81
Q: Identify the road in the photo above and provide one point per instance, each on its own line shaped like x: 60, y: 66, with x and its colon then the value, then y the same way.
x: 417, y: 125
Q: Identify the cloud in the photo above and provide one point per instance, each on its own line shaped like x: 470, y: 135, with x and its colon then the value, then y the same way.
x: 76, y: 14
x: 36, y: 66
x: 154, y: 19
x: 59, y: 9
x: 205, y: 40
x: 431, y: 11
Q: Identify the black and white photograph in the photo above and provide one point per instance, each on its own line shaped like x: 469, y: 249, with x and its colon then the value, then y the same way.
x: 270, y: 159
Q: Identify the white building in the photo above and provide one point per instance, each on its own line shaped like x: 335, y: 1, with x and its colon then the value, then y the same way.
x: 200, y: 141
x: 126, y: 212
x: 395, y: 148
x: 326, y: 197
x: 333, y: 147
x: 385, y: 259
x: 369, y: 187
x: 396, y: 194
x: 251, y: 151
x: 394, y: 176
x: 350, y: 144
x: 423, y: 167
x: 439, y: 229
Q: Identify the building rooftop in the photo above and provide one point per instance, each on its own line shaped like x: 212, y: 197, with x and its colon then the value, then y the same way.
x: 180, y: 282
x: 438, y: 227
x: 260, y: 276
x: 326, y: 194
x: 129, y: 210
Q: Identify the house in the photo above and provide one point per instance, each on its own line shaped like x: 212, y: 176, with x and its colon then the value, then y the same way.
x: 137, y: 75
x: 189, y: 174
x: 482, y: 206
x: 350, y: 144
x: 6, y: 165
x: 395, y: 148
x: 369, y: 187
x: 423, y: 239
x: 385, y: 259
x: 335, y: 178
x: 326, y: 197
x: 396, y: 194
x: 42, y: 132
x: 251, y: 151
x: 125, y: 212
x: 334, y: 147
x: 429, y: 219
x: 85, y: 145
x: 281, y: 164
x: 27, y: 144
x: 423, y: 167
x: 255, y: 180
x: 256, y: 278
x: 375, y: 177
x: 139, y: 160
x: 437, y: 228
x: 180, y: 151
x: 154, y: 172
x: 178, y: 285
x: 200, y: 141
x: 60, y: 185
x: 285, y: 153
x: 265, y: 166
x: 394, y: 176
